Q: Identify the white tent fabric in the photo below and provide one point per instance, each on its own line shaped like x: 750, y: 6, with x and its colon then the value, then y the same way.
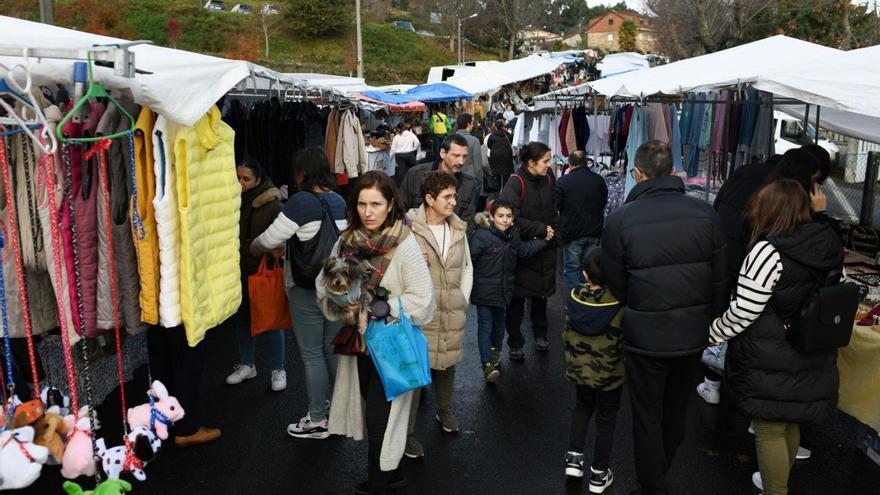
x: 620, y: 63
x: 181, y: 86
x: 849, y: 81
x: 740, y: 64
x: 344, y: 84
x: 489, y: 77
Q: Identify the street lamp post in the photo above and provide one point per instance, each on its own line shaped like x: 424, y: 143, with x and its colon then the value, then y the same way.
x: 460, y: 47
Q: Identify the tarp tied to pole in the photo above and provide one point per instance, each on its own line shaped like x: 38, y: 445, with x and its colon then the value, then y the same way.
x: 177, y: 84
x: 438, y: 93
x: 394, y: 102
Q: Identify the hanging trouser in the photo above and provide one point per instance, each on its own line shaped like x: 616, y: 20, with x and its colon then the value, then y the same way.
x: 179, y: 367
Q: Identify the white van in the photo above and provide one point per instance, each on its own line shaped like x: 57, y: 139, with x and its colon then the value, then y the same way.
x: 789, y: 134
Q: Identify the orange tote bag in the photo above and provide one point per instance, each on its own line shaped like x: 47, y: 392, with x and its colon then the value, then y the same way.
x: 269, y: 310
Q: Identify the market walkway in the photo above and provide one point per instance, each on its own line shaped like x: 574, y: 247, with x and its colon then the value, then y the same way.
x: 512, y: 441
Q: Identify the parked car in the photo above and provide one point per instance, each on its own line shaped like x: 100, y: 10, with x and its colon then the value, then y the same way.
x: 242, y: 8
x: 789, y: 133
x: 404, y: 25
x: 269, y: 10
x: 215, y: 5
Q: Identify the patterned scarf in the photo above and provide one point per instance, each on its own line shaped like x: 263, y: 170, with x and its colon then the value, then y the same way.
x: 376, y: 247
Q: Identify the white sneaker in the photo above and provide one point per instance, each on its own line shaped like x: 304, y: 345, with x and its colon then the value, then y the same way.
x: 574, y: 464
x: 803, y: 453
x: 600, y: 480
x: 708, y: 390
x: 240, y: 373
x: 752, y: 427
x: 308, y: 429
x: 757, y: 481
x: 279, y: 380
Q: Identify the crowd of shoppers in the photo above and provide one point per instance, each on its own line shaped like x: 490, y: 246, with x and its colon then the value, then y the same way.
x: 647, y: 289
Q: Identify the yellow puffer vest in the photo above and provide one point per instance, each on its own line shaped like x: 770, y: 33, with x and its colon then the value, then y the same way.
x: 445, y: 332
x: 209, y: 199
x: 147, y: 248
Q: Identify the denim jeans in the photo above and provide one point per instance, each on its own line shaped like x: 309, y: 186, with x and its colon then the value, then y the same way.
x: 246, y: 342
x: 572, y: 256
x: 314, y: 339
x: 490, y: 330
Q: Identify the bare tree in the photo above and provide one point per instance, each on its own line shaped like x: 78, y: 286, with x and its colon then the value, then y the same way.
x: 514, y: 15
x: 269, y: 23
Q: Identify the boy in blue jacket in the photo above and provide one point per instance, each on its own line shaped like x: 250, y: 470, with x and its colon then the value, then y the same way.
x: 495, y: 247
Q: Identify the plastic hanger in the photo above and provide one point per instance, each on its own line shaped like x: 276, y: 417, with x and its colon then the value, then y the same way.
x: 44, y: 139
x: 96, y: 90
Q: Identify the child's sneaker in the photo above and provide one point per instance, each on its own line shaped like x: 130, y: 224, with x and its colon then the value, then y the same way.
x: 496, y: 357
x: 803, y: 453
x: 574, y: 464
x: 709, y: 391
x: 306, y: 428
x: 490, y: 373
x: 240, y: 373
x: 600, y: 480
x: 757, y: 481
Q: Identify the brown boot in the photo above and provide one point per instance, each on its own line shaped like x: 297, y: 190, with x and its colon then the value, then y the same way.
x: 204, y: 435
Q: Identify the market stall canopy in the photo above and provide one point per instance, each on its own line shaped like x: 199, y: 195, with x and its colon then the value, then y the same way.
x: 742, y: 64
x: 848, y: 81
x: 548, y: 100
x: 394, y: 102
x: 620, y: 63
x: 344, y: 84
x: 438, y: 93
x: 488, y: 77
x: 179, y: 85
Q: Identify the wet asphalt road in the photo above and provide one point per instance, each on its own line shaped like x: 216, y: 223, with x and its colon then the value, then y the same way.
x: 514, y: 435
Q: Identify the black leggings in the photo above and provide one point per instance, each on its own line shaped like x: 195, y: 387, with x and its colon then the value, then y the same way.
x: 605, y: 404
x: 377, y: 411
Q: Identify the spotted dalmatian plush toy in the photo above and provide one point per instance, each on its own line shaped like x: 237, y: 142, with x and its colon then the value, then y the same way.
x: 144, y: 445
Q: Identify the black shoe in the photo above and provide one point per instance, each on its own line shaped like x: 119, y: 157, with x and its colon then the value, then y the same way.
x: 396, y: 487
x: 541, y: 344
x: 517, y: 354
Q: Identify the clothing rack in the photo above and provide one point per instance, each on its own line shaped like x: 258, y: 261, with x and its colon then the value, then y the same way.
x: 118, y: 55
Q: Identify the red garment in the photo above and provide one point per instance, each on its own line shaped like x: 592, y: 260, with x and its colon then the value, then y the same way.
x: 563, y: 127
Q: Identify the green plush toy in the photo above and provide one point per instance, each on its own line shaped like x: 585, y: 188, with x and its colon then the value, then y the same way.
x: 109, y: 487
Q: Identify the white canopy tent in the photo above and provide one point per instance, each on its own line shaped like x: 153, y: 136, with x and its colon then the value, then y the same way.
x: 620, y: 63
x: 489, y: 77
x: 179, y: 85
x: 738, y: 65
x: 846, y: 87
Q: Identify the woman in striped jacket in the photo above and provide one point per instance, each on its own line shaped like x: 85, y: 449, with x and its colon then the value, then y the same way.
x: 769, y: 379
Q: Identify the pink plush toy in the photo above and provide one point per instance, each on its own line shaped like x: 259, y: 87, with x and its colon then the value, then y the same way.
x: 78, y: 455
x: 160, y: 413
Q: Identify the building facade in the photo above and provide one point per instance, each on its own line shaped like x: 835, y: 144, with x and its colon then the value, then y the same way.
x: 604, y: 32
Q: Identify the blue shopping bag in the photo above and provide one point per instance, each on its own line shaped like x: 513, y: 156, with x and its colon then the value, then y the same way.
x: 400, y: 353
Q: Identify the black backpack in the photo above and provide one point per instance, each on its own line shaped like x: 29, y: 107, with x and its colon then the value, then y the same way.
x: 307, y: 257
x: 825, y: 321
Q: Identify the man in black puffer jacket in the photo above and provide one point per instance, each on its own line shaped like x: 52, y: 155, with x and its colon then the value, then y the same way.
x: 664, y: 258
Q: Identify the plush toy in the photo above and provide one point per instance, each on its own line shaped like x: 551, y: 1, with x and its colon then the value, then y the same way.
x: 51, y: 397
x: 27, y: 413
x: 20, y: 460
x: 108, y: 487
x: 49, y: 428
x: 160, y: 413
x: 144, y: 446
x: 78, y: 457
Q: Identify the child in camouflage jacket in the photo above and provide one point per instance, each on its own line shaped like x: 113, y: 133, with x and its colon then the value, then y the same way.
x: 594, y: 363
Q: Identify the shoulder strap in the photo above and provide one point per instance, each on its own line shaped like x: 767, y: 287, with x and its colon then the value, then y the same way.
x: 522, y: 186
x: 326, y: 209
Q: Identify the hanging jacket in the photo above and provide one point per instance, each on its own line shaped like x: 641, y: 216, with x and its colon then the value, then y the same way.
x: 259, y: 207
x: 533, y: 211
x: 60, y: 285
x: 147, y: 247
x: 331, y: 137
x: 351, y: 154
x: 767, y: 377
x: 453, y: 279
x: 494, y: 255
x: 167, y: 223
x: 209, y: 199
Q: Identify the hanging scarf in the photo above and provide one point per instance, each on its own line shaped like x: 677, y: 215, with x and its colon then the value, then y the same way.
x: 376, y: 247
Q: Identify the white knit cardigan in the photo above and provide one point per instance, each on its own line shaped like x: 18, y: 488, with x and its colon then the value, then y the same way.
x: 408, y: 278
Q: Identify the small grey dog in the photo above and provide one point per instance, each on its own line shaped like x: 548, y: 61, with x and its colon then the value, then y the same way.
x: 344, y: 279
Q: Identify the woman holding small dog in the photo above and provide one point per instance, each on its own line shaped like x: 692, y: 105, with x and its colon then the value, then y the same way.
x: 442, y: 237
x: 377, y: 233
x: 302, y: 227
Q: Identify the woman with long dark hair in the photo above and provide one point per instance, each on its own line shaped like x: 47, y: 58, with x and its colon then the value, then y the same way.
x: 530, y: 190
x: 377, y: 233
x: 768, y: 378
x: 300, y: 226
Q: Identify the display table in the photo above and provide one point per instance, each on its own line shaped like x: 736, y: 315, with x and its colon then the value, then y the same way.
x: 859, y: 368
x: 380, y: 159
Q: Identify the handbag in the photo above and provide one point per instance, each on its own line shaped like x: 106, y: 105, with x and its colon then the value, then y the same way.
x: 825, y: 322
x: 400, y: 354
x: 348, y: 342
x: 268, y: 302
x: 307, y: 257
